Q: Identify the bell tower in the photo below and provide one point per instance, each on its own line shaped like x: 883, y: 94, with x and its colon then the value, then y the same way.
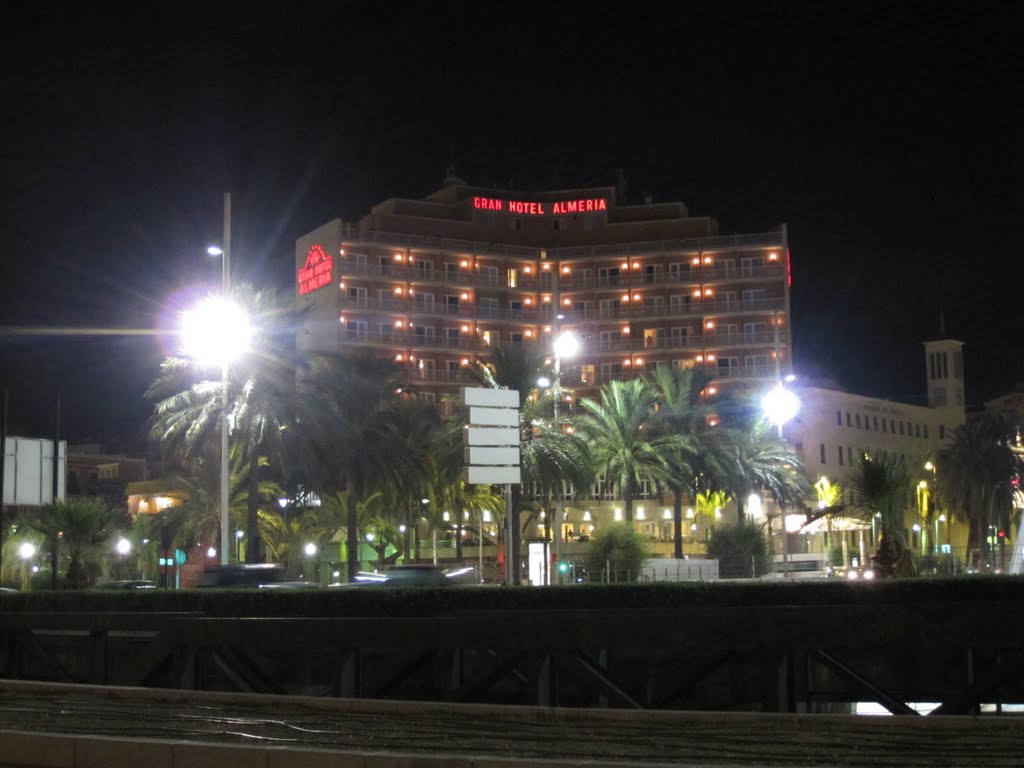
x: 944, y: 372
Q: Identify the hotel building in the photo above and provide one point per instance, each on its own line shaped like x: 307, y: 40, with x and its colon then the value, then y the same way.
x: 440, y: 282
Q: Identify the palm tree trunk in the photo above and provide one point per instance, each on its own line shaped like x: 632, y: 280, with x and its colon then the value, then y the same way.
x: 412, y: 547
x: 677, y: 525
x: 252, y: 534
x: 351, y: 534
x: 458, y: 537
x: 627, y: 500
x: 54, y: 543
x: 740, y: 510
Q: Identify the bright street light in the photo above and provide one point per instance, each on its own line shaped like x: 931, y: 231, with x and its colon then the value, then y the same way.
x: 566, y: 345
x: 310, y: 549
x: 543, y: 382
x: 27, y: 550
x: 780, y: 405
x: 214, y: 250
x: 123, y: 546
x: 215, y: 332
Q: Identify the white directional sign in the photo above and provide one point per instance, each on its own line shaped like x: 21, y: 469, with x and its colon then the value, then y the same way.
x: 492, y: 475
x: 491, y: 438
x: 490, y: 398
x: 496, y: 436
x: 501, y: 417
x: 491, y: 456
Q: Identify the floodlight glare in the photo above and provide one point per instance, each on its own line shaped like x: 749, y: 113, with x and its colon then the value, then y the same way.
x: 566, y: 345
x: 780, y: 405
x: 216, y: 332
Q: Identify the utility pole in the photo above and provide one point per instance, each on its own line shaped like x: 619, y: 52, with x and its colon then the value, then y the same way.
x: 54, y: 542
x: 225, y: 478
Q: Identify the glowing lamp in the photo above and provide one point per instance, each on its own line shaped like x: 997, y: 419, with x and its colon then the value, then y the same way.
x: 216, y: 331
x: 780, y: 405
x: 567, y: 345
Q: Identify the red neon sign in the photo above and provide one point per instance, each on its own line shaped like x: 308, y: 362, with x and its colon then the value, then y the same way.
x: 317, y: 271
x: 540, y: 208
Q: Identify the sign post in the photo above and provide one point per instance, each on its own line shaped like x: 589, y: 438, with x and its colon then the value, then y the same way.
x: 491, y: 450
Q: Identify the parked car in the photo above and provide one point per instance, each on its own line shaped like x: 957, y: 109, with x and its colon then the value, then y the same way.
x: 850, y: 572
x: 242, y: 575
x: 407, y: 576
x: 127, y: 584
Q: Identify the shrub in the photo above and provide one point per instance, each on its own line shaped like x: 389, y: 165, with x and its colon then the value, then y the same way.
x: 740, y: 549
x: 619, y: 550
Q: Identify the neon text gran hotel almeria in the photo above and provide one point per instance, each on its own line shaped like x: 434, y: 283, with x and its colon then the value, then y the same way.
x: 438, y: 283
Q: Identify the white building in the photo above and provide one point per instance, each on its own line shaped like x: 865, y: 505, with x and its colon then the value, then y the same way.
x: 833, y: 427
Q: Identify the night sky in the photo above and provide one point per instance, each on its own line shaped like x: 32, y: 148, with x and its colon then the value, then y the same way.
x: 885, y: 135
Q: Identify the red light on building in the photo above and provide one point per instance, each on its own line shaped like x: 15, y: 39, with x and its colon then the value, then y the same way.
x: 538, y: 208
x: 316, y: 273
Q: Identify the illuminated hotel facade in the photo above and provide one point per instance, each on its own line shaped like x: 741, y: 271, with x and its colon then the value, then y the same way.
x: 438, y: 283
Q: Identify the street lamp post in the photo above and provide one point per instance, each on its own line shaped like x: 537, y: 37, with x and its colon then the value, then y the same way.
x: 225, y: 253
x: 781, y: 405
x: 565, y: 345
x: 310, y: 551
x: 123, y: 547
x: 26, y: 552
x: 216, y: 333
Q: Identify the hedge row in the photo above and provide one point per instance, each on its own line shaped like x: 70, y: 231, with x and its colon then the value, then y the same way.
x: 378, y: 601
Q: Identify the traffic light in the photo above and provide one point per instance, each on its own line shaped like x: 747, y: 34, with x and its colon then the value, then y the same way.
x: 563, y: 567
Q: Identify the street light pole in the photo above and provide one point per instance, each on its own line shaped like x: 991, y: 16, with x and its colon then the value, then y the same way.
x: 781, y: 405
x: 224, y: 472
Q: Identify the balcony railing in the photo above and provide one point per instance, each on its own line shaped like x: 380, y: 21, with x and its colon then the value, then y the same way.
x: 353, y: 234
x: 750, y: 372
x: 590, y: 346
x: 410, y: 340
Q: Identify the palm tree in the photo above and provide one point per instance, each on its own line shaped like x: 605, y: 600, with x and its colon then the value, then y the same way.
x: 551, y: 459
x: 196, y: 520
x: 411, y: 435
x: 974, y: 474
x: 81, y: 526
x: 187, y: 413
x: 682, y: 410
x: 750, y: 459
x: 337, y: 430
x: 286, y: 537
x: 624, y: 440
x: 883, y: 487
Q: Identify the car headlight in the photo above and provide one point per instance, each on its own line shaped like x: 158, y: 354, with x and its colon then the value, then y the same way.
x: 851, y: 575
x: 869, y: 574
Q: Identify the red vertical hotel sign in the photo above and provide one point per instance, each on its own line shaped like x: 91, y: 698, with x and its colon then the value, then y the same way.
x: 317, y: 271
